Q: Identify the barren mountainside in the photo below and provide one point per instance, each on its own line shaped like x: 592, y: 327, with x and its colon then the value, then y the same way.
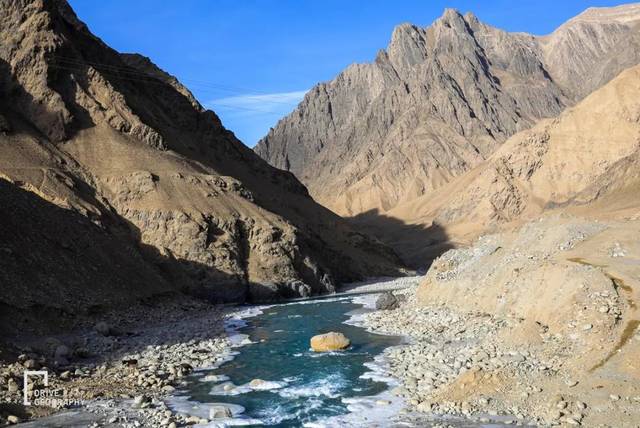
x: 585, y: 160
x: 440, y: 100
x: 115, y: 183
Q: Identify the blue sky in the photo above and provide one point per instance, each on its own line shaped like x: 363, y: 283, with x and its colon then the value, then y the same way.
x: 252, y: 60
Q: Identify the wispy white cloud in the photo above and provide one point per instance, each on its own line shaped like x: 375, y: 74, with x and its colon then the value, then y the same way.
x: 258, y: 103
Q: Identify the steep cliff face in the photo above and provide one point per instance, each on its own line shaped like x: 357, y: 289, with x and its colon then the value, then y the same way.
x: 113, y: 139
x: 585, y: 160
x: 439, y: 101
x: 559, y: 162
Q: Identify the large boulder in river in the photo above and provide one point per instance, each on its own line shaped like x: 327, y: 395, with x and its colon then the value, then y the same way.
x: 387, y: 300
x: 331, y: 341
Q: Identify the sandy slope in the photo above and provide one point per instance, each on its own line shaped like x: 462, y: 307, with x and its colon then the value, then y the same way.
x: 569, y: 280
x: 588, y: 154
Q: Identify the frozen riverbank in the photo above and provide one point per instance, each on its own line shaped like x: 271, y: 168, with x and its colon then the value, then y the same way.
x: 277, y: 380
x: 136, y: 375
x: 122, y: 374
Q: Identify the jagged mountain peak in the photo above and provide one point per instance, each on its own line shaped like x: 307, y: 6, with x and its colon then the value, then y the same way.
x: 450, y: 13
x: 407, y: 46
x: 442, y: 99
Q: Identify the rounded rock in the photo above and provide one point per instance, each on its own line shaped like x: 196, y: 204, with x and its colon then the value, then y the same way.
x: 332, y: 341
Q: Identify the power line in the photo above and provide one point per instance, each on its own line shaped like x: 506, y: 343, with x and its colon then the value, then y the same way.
x: 156, y: 81
x: 131, y: 72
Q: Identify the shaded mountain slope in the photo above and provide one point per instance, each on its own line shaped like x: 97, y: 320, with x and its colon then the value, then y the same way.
x: 119, y: 144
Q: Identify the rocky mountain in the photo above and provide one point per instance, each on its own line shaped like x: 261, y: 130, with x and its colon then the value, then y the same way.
x: 440, y: 100
x: 557, y: 208
x: 116, y: 184
x: 585, y: 160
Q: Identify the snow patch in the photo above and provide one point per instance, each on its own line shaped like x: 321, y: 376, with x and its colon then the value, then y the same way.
x: 183, y: 405
x: 228, y: 388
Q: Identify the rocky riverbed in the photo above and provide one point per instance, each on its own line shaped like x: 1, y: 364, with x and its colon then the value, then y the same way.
x: 121, y: 371
x: 461, y: 367
x: 536, y: 327
x: 117, y: 373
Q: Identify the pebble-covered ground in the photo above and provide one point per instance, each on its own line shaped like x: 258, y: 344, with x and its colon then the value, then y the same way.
x: 537, y: 327
x: 449, y: 348
x: 121, y: 373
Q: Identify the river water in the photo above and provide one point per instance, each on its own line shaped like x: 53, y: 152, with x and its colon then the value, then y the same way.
x: 301, y: 387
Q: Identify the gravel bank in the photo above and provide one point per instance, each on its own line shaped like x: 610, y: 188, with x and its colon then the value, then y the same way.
x: 379, y: 285
x: 121, y: 374
x: 447, y: 351
x: 538, y: 326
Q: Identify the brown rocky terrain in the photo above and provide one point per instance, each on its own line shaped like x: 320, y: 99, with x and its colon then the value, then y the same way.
x: 116, y: 185
x: 585, y: 159
x: 538, y: 325
x: 538, y: 320
x: 440, y: 100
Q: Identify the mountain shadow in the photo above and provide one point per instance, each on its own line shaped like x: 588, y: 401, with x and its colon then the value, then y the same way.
x: 79, y: 109
x: 60, y: 270
x: 416, y: 244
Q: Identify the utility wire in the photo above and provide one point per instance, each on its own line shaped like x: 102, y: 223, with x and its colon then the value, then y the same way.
x: 156, y: 81
x: 131, y: 73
